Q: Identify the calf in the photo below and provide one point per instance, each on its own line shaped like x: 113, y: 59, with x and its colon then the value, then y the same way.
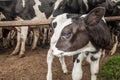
x: 79, y: 36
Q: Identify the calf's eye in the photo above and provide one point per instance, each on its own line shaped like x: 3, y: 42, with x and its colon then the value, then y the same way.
x: 67, y: 34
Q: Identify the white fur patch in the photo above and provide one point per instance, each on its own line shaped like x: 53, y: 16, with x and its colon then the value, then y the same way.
x: 118, y: 7
x: 103, y: 18
x: 86, y: 3
x: 2, y: 16
x: 38, y: 13
x: 23, y: 3
x: 60, y: 19
x: 58, y: 30
x: 88, y: 47
x: 57, y: 4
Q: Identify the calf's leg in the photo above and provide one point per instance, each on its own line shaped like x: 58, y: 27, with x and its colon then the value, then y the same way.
x: 77, y: 68
x: 93, y: 59
x: 63, y: 64
x: 50, y: 58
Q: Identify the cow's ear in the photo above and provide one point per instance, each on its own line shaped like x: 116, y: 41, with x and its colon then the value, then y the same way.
x: 19, y: 6
x: 94, y: 16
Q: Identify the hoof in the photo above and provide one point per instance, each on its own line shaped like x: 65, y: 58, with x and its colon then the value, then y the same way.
x: 21, y: 55
x: 112, y: 53
x: 33, y: 47
x: 14, y: 53
x: 103, y: 56
x: 67, y: 73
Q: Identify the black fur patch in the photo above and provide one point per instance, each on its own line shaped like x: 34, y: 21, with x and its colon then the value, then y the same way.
x: 78, y: 60
x: 75, y: 58
x: 87, y: 53
x: 46, y: 7
x: 26, y: 12
x: 94, y: 52
x: 72, y: 15
x: 93, y: 58
x: 54, y: 25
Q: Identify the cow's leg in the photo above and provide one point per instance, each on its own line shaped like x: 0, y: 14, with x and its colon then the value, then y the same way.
x: 44, y: 36
x: 49, y: 34
x: 24, y: 32
x: 93, y: 59
x: 50, y: 57
x: 103, y: 53
x: 5, y: 42
x: 8, y: 39
x: 1, y: 33
x: 16, y: 50
x: 31, y: 37
x: 36, y: 36
x: 13, y: 35
x: 63, y: 64
x: 77, y: 68
x: 113, y: 50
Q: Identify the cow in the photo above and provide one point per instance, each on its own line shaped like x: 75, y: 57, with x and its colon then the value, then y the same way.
x: 115, y: 27
x: 113, y: 9
x: 6, y: 34
x: 45, y: 34
x: 80, y: 36
x: 27, y: 10
x: 77, y: 6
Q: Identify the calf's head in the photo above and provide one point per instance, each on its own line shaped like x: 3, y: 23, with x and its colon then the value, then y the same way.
x: 72, y: 35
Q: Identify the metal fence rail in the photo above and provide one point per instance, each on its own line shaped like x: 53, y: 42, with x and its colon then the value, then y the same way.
x: 24, y: 23
x: 40, y: 22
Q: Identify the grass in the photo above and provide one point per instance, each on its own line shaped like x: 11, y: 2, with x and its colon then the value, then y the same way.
x: 111, y: 69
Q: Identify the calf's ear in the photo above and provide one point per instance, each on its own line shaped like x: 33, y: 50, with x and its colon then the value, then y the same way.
x: 94, y: 16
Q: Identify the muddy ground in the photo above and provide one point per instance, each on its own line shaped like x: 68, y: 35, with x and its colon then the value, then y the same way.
x: 34, y: 66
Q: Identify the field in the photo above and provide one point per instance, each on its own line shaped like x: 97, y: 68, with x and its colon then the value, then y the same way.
x: 34, y: 66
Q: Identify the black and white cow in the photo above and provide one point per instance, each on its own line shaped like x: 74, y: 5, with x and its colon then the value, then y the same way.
x: 113, y: 9
x: 115, y: 27
x: 81, y: 36
x: 76, y: 6
x: 27, y: 10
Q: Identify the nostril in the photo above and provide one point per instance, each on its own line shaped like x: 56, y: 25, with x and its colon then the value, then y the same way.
x: 52, y: 50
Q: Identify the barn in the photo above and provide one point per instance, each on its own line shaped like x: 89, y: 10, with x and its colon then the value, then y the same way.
x: 57, y: 39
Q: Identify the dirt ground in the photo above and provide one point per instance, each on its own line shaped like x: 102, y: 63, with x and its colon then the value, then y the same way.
x: 34, y: 66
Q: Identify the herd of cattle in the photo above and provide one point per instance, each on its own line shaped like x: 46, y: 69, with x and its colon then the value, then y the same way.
x: 78, y: 29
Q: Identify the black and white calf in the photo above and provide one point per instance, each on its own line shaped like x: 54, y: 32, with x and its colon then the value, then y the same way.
x: 81, y: 37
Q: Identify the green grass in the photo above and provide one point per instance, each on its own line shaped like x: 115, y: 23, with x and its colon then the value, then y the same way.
x: 111, y: 69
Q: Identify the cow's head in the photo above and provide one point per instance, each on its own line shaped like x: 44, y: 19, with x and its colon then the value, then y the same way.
x: 72, y: 36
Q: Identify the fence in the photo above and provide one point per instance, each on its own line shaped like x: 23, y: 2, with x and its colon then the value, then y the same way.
x: 40, y: 22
